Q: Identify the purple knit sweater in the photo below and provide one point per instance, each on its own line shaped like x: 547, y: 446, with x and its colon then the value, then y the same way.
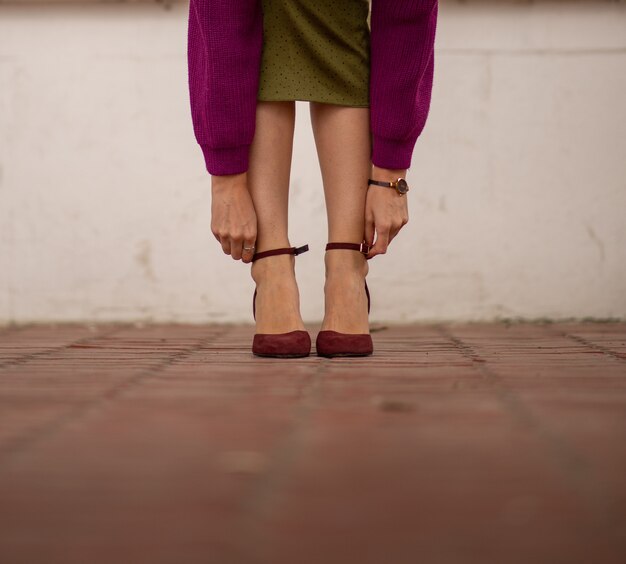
x: 225, y: 39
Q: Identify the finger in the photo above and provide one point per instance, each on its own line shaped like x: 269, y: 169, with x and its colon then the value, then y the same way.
x: 382, y: 241
x: 369, y: 231
x: 236, y: 244
x: 393, y: 232
x: 398, y: 227
x: 248, y: 249
x: 225, y: 242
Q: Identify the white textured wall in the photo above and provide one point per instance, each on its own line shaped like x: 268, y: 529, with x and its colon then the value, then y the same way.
x: 519, y: 179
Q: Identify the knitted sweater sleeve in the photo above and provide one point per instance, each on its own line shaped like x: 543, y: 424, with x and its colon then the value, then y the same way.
x: 402, y: 36
x: 224, y: 46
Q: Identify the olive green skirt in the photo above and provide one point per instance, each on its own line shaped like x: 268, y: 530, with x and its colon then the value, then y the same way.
x: 316, y: 50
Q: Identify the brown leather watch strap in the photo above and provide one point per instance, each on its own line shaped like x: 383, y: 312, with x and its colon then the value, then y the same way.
x: 385, y: 183
x: 399, y: 185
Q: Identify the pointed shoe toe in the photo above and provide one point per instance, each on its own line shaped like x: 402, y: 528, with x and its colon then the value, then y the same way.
x: 293, y: 344
x: 333, y: 343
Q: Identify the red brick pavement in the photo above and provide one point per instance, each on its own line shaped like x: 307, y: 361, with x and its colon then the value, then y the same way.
x: 475, y: 443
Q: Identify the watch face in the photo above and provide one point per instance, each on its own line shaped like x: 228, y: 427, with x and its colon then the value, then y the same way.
x: 402, y: 186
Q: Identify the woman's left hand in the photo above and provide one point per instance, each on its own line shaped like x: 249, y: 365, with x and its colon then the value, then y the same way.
x: 386, y: 211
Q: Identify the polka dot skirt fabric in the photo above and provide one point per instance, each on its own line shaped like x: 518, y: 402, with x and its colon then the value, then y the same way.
x: 316, y: 50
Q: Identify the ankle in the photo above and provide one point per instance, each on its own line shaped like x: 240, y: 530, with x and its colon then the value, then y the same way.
x: 345, y: 264
x: 277, y: 268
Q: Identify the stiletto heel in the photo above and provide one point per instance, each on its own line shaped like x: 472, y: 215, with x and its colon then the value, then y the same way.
x: 333, y: 343
x: 292, y: 344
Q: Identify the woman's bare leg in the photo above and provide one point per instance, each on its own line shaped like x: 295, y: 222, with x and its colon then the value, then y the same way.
x: 342, y: 139
x: 277, y: 301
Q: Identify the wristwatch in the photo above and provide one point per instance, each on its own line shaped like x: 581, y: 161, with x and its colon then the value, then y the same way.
x: 399, y: 184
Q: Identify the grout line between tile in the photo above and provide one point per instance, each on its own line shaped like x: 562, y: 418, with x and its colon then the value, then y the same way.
x: 24, y: 359
x: 582, y: 341
x: 570, y: 463
x: 261, y: 501
x: 36, y: 436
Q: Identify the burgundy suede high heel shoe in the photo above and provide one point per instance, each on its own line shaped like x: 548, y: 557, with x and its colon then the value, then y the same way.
x: 333, y: 343
x: 292, y: 344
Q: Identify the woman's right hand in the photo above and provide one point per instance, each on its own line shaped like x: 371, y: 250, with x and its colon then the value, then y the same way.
x: 233, y: 219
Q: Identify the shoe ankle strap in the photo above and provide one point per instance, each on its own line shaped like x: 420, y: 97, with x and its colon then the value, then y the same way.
x: 281, y: 251
x: 361, y: 247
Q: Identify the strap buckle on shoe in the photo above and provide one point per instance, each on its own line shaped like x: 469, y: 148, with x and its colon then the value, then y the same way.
x: 299, y: 250
x: 364, y: 248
